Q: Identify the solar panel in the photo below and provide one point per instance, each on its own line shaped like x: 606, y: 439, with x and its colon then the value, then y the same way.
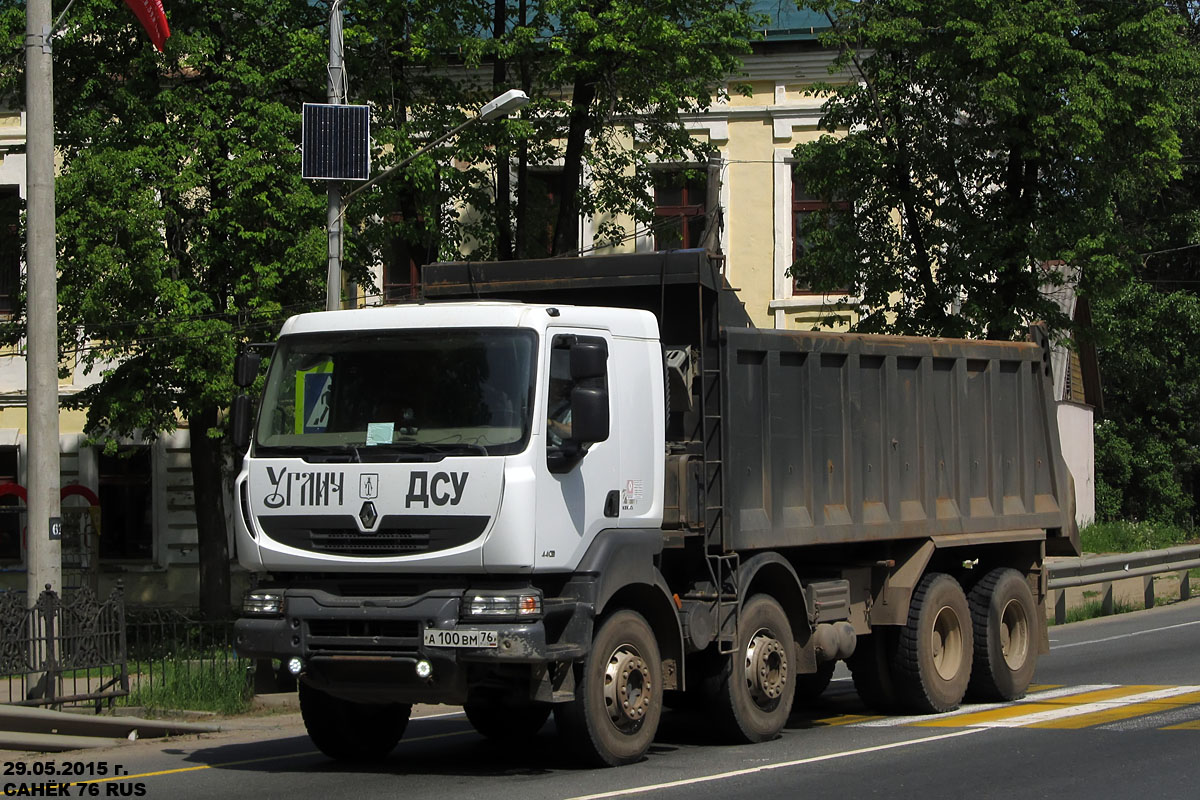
x: 336, y: 142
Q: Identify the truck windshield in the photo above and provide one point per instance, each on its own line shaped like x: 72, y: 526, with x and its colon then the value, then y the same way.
x: 438, y: 391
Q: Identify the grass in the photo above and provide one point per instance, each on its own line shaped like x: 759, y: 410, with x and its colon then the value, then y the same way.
x: 1095, y: 608
x: 214, y: 683
x: 1132, y: 537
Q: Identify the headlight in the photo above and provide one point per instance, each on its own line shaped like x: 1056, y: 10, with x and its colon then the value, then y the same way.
x: 262, y: 604
x: 494, y: 605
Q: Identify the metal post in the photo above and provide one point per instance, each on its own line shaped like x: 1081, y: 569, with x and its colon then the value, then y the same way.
x: 44, y: 552
x: 333, y: 217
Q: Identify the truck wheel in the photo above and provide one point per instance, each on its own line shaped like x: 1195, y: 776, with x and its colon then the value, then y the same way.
x: 871, y: 668
x: 348, y: 731
x: 757, y: 685
x: 932, y: 664
x: 810, y: 686
x: 1003, y: 614
x: 496, y: 719
x: 618, y: 694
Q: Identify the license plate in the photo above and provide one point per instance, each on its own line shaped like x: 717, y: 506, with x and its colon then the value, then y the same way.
x: 459, y: 638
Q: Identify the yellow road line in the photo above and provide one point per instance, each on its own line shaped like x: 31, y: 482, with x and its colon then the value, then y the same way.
x: 250, y: 761
x: 1194, y: 725
x: 1022, y: 709
x: 845, y: 719
x: 1119, y: 712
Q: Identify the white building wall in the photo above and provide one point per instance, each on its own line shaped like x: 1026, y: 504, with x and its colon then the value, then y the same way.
x: 1079, y: 451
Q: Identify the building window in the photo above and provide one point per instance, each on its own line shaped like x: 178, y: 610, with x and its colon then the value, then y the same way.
x: 805, y: 204
x: 126, y: 504
x: 10, y: 249
x: 11, y: 508
x: 539, y: 213
x: 402, y: 271
x: 679, y: 209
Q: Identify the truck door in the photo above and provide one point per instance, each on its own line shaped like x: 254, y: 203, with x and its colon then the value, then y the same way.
x: 577, y: 492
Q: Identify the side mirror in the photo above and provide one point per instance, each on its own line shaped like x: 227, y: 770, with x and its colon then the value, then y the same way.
x: 245, y: 368
x: 588, y: 360
x: 589, y: 414
x: 240, y: 421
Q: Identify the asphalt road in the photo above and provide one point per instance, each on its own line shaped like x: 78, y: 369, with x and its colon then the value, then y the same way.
x: 1115, y: 712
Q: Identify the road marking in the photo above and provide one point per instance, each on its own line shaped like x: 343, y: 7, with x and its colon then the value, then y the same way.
x: 1126, y: 635
x: 721, y: 776
x: 1050, y: 694
x: 1194, y: 725
x: 995, y: 716
x: 1152, y: 708
x: 258, y: 760
x: 845, y: 719
x: 1041, y: 718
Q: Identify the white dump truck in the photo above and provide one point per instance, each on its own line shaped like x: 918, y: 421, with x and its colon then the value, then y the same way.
x: 589, y: 487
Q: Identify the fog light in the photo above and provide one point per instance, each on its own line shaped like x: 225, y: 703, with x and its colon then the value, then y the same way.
x: 424, y: 669
x: 295, y: 665
x: 262, y: 604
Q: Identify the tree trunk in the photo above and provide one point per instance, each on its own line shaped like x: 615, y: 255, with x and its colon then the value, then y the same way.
x: 207, y: 462
x: 566, y: 228
x: 504, y: 248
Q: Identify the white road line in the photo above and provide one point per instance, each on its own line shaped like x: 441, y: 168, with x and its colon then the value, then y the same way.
x: 765, y: 767
x: 1086, y: 708
x: 1049, y: 694
x: 1126, y: 635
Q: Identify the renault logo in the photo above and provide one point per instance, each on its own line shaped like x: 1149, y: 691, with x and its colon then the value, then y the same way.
x: 368, y: 516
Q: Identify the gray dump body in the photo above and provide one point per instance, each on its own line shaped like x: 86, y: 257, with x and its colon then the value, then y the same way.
x: 838, y: 438
x: 833, y: 438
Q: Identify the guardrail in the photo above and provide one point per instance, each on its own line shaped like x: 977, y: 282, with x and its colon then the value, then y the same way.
x: 1092, y: 570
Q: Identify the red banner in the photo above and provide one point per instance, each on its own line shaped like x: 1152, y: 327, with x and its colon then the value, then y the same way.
x: 153, y: 18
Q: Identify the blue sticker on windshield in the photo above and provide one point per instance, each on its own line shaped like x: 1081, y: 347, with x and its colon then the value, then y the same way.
x: 316, y: 401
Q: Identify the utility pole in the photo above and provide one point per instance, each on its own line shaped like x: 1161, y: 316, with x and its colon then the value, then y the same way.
x: 44, y: 546
x: 333, y: 215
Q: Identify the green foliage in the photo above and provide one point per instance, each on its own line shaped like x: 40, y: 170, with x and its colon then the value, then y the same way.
x: 1148, y: 445
x: 1090, y: 609
x: 217, y: 682
x: 986, y: 142
x: 585, y: 66
x: 1121, y: 536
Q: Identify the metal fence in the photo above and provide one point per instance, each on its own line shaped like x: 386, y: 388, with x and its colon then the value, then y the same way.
x: 62, y: 651
x: 1104, y: 570
x: 178, y: 660
x: 79, y: 651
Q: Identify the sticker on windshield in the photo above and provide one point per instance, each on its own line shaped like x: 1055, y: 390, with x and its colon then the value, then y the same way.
x: 380, y: 432
x: 312, y: 396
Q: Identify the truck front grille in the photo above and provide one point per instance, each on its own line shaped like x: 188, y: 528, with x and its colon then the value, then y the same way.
x: 395, y: 536
x: 362, y: 637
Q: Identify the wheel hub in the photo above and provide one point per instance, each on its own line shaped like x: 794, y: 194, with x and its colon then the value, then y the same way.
x: 766, y: 667
x: 627, y: 689
x: 946, y: 643
x: 1014, y: 635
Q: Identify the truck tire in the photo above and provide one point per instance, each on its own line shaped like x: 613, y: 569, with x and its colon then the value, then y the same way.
x: 1004, y: 616
x: 757, y: 683
x: 494, y: 718
x: 871, y: 668
x: 618, y: 694
x: 934, y: 652
x: 347, y: 731
x: 810, y: 686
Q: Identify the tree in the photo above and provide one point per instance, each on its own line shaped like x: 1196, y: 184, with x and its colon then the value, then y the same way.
x: 1148, y: 445
x: 184, y: 227
x: 984, y: 143
x: 584, y: 64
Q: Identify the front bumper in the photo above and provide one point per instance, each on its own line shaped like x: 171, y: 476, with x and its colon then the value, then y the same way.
x: 367, y: 648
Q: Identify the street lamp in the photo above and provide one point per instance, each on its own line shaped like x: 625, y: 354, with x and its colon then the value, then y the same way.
x: 506, y: 103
